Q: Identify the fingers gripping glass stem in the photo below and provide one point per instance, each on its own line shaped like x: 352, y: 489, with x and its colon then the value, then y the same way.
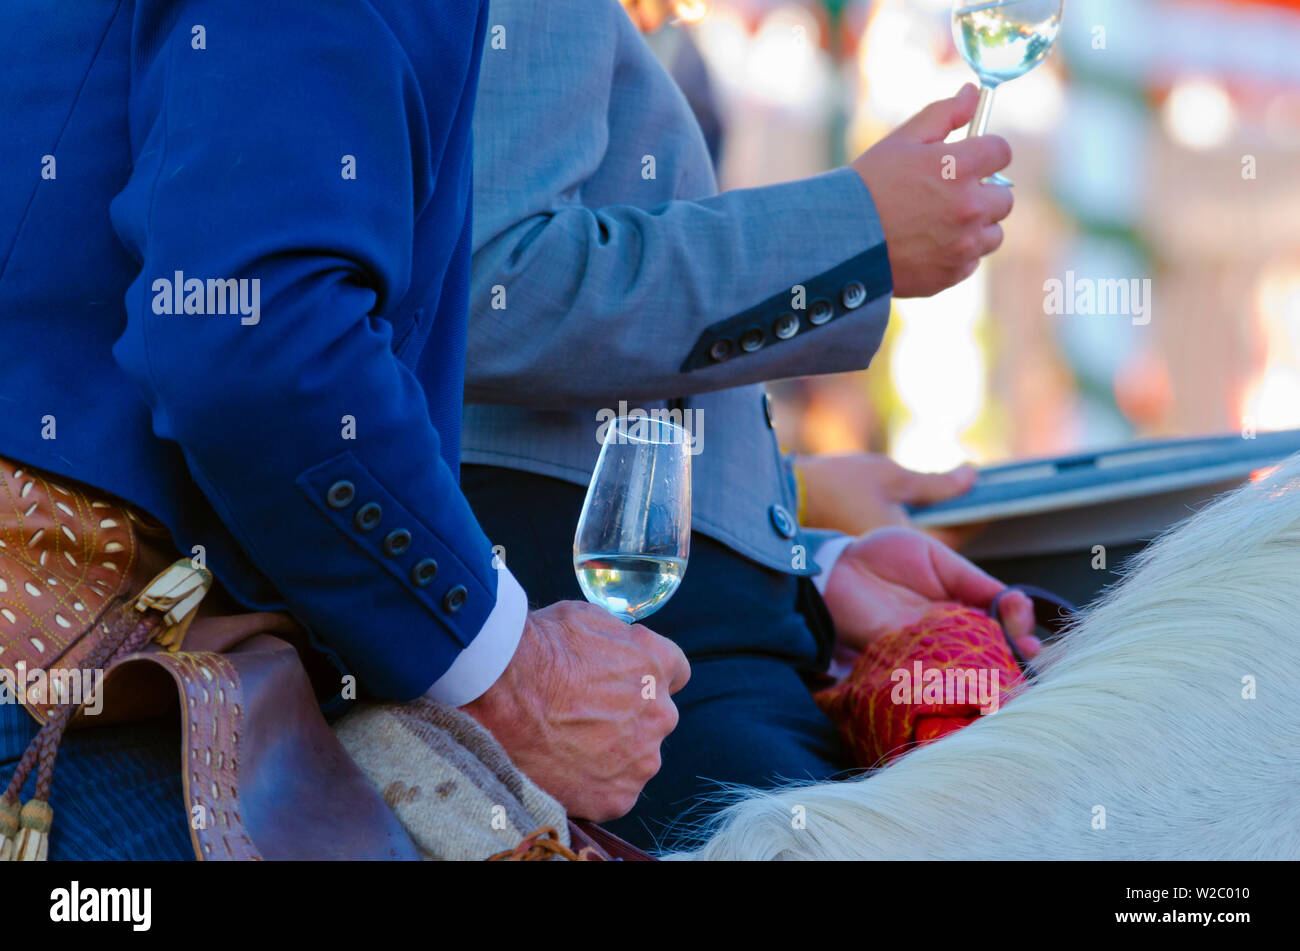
x: 979, y: 125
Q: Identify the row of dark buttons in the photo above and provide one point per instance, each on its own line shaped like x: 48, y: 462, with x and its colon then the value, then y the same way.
x: 342, y: 493
x: 853, y: 295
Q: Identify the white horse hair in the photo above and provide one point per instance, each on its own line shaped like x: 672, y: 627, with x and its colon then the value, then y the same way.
x: 1140, y: 739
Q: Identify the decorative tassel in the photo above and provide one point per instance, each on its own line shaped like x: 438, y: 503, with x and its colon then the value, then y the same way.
x: 176, y: 593
x: 33, y: 843
x: 8, y: 829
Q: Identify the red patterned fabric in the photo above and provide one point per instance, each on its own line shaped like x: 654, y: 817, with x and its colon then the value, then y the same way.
x: 920, y: 683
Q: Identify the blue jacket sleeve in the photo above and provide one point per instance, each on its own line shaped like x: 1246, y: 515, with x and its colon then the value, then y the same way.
x: 295, y: 416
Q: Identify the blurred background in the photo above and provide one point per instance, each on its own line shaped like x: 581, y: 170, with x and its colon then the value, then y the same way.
x: 1160, y: 140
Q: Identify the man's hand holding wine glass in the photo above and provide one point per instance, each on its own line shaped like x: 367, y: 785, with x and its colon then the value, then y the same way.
x: 575, y: 711
x: 585, y: 702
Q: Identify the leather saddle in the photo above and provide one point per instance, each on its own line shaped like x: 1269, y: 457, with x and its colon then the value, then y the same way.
x: 264, y: 776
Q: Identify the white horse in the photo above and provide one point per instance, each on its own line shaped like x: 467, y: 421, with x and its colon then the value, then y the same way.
x: 1164, y: 725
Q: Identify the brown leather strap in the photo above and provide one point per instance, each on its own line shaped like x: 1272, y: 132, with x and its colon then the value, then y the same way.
x: 264, y: 775
x: 582, y: 832
x: 212, y: 722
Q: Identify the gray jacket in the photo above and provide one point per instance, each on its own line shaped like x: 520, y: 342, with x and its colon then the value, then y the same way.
x: 609, y: 274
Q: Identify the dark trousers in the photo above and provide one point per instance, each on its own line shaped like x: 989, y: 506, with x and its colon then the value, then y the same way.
x: 754, y: 638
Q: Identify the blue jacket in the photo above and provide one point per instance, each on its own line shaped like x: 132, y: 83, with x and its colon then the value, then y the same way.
x: 161, y: 156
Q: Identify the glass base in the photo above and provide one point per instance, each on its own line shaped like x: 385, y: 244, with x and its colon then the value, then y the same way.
x: 997, y: 178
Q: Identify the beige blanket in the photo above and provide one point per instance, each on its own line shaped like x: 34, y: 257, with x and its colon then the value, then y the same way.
x: 447, y: 778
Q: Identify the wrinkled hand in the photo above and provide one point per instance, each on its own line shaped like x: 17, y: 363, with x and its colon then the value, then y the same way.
x: 860, y: 491
x: 938, y: 216
x: 891, y: 577
x: 574, y: 711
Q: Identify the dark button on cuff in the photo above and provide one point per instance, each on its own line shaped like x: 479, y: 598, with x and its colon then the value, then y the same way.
x: 340, y: 494
x: 782, y: 521
x: 785, y: 326
x: 720, y: 350
x: 368, y: 516
x: 454, y: 599
x: 425, y: 570
x: 752, y: 339
x: 397, y: 541
x: 820, y: 312
x: 854, y: 295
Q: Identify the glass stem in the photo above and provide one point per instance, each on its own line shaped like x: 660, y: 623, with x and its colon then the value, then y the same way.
x: 980, y: 123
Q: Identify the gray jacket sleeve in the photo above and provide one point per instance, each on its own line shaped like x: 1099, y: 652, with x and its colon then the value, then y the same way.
x: 576, y: 300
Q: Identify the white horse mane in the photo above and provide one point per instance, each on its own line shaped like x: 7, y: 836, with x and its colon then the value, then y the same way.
x: 1139, y: 739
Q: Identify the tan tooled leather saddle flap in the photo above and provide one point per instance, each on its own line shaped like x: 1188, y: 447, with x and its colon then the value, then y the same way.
x: 263, y: 774
x: 65, y: 557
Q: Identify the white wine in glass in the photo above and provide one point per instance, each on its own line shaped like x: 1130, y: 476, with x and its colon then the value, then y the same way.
x: 634, y: 534
x: 1002, y: 40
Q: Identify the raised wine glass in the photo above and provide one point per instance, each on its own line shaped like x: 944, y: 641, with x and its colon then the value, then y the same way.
x: 634, y: 534
x: 1001, y: 40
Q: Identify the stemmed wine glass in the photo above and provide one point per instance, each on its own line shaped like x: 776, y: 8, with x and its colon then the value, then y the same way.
x: 634, y: 534
x: 1001, y: 40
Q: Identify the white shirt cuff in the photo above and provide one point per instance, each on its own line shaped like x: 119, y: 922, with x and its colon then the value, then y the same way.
x: 826, y: 557
x: 478, y: 666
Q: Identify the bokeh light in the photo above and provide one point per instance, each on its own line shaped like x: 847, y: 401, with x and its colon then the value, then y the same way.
x: 1199, y: 114
x: 1157, y: 142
